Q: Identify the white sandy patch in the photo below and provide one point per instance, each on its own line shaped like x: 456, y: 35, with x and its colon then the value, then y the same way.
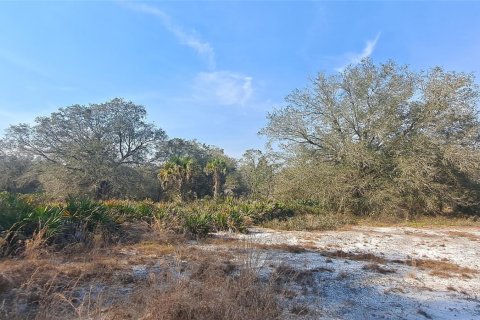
x: 342, y: 288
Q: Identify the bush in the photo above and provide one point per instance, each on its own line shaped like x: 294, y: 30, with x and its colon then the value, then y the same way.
x: 126, y: 210
x: 75, y: 221
x: 83, y: 217
x: 13, y: 209
x: 198, y: 225
x: 79, y: 219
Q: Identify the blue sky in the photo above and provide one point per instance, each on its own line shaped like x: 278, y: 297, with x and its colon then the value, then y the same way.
x: 212, y: 70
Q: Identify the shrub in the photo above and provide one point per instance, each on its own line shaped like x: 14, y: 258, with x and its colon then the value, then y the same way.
x: 83, y: 217
x: 75, y: 221
x: 198, y: 225
x: 13, y: 209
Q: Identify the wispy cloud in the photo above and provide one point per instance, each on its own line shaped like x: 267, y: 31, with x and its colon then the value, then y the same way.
x: 354, y: 58
x: 216, y: 87
x: 39, y: 78
x: 23, y: 63
x: 188, y: 38
x: 223, y: 88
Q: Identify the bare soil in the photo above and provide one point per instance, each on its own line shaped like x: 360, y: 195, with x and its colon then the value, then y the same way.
x: 357, y: 273
x: 373, y: 272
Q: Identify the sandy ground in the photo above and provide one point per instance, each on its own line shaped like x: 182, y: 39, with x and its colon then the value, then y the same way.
x: 334, y: 279
x: 359, y: 273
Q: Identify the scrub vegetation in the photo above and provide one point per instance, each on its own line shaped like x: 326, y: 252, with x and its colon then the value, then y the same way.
x: 373, y: 144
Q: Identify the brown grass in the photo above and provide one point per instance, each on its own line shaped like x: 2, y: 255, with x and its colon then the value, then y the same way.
x: 34, y: 245
x: 181, y: 282
x: 311, y: 222
x: 212, y: 296
x: 202, y: 285
x: 377, y: 268
x: 442, y: 269
x: 284, y: 274
x: 359, y: 256
x: 300, y: 310
x: 322, y: 222
x: 419, y: 222
x: 281, y: 247
x: 5, y: 283
x: 439, y: 268
x: 467, y: 235
x: 232, y: 243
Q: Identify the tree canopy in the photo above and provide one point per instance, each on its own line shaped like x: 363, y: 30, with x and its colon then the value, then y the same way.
x: 90, y: 143
x: 374, y: 138
x: 383, y: 136
x: 258, y: 171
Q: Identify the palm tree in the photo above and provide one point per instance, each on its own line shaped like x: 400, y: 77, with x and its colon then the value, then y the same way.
x: 178, y: 172
x: 217, y: 168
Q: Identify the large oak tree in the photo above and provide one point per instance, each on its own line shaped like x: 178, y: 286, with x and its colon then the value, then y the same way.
x: 381, y: 138
x: 90, y: 146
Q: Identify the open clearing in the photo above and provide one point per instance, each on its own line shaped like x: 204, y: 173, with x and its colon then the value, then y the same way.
x: 375, y: 272
x: 358, y: 273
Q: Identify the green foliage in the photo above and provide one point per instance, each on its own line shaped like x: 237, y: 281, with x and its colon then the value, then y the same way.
x: 311, y: 222
x: 89, y: 149
x: 51, y: 218
x: 12, y: 209
x: 127, y: 210
x: 381, y: 138
x: 218, y: 169
x: 81, y: 209
x: 197, y: 224
x: 84, y: 218
x: 258, y: 171
x: 178, y: 174
x: 75, y: 221
x: 78, y: 218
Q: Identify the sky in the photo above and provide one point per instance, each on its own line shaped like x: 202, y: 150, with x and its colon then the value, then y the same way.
x: 212, y: 70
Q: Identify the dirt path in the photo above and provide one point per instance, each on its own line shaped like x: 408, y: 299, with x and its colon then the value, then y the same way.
x: 370, y: 273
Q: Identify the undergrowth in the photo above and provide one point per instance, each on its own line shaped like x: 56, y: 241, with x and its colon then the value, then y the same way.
x: 28, y: 221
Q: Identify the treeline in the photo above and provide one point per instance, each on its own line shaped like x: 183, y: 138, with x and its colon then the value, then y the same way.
x: 371, y: 139
x: 109, y: 150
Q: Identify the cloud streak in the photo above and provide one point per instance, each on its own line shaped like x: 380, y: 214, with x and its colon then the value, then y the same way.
x: 23, y: 63
x: 187, y: 38
x: 366, y: 52
x: 222, y: 87
x: 215, y: 87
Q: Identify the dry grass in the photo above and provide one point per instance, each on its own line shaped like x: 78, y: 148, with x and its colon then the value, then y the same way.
x: 442, y: 269
x: 238, y: 246
x: 359, y: 256
x: 377, y: 268
x: 284, y: 274
x: 439, y: 268
x: 311, y: 222
x: 300, y: 310
x: 291, y: 248
x: 463, y: 234
x: 33, y: 246
x: 322, y: 222
x: 420, y: 221
x: 5, y: 283
x: 176, y: 281
x: 211, y: 296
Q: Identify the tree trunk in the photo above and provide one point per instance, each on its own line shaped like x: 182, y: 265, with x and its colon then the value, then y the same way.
x: 216, y: 185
